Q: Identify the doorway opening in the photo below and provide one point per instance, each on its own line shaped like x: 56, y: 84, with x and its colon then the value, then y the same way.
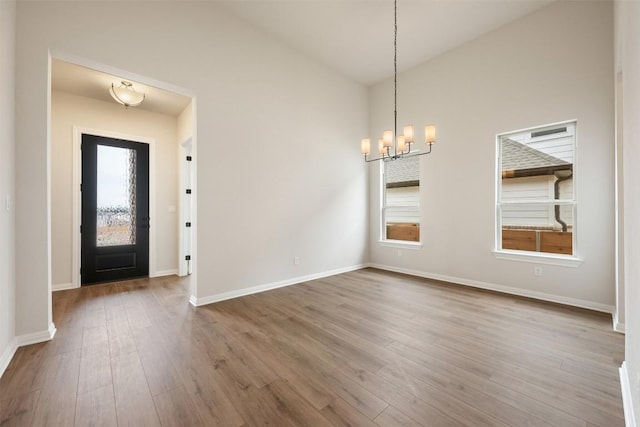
x: 162, y: 123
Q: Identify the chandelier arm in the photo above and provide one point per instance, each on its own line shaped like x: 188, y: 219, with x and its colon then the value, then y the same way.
x: 414, y: 154
x: 389, y: 157
x: 424, y: 152
x: 377, y: 159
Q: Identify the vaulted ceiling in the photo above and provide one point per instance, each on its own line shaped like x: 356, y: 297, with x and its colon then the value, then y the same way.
x: 353, y: 37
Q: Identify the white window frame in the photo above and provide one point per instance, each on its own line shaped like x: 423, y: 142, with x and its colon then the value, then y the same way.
x: 573, y: 260
x: 400, y: 244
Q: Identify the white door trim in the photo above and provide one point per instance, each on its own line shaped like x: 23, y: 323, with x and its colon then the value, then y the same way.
x: 78, y: 131
x: 185, y: 206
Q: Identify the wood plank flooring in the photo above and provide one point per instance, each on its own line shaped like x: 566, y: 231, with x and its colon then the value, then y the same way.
x: 367, y: 348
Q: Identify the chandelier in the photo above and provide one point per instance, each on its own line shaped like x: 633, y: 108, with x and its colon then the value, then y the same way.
x: 390, y: 147
x: 126, y: 95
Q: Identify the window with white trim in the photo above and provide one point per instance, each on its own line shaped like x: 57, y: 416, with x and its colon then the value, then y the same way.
x: 401, y: 199
x: 536, y: 205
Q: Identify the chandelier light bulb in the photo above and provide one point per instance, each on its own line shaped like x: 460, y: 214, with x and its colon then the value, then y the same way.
x: 430, y: 134
x: 387, y: 137
x: 401, y: 145
x: 366, y: 146
x: 408, y: 133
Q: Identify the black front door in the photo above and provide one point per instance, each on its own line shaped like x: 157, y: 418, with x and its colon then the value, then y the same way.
x: 115, y: 209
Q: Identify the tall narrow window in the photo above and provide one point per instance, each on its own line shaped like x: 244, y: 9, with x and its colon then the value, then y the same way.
x: 536, y: 205
x: 401, y: 200
x: 116, y: 196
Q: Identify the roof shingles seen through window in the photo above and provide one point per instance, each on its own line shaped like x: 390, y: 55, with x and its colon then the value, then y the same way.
x: 404, y: 172
x: 517, y: 156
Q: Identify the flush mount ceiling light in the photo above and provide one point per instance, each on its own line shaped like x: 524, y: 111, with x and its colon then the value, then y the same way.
x: 126, y: 95
x: 390, y: 147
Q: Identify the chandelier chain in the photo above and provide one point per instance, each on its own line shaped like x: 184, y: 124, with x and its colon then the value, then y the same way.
x: 395, y: 72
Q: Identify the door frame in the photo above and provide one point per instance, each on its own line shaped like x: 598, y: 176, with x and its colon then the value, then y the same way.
x: 186, y: 205
x: 78, y: 131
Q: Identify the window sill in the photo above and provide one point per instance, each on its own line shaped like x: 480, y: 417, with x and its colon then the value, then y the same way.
x: 401, y: 244
x: 537, y: 258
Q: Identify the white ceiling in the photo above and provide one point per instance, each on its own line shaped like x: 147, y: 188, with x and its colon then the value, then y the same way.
x: 354, y: 37
x: 94, y: 84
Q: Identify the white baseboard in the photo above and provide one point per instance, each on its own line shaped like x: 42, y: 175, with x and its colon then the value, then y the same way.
x: 504, y: 289
x: 617, y: 326
x: 23, y: 340
x: 7, y: 355
x: 37, y: 337
x: 193, y: 300
x: 63, y: 287
x: 625, y: 384
x: 269, y: 286
x: 172, y: 272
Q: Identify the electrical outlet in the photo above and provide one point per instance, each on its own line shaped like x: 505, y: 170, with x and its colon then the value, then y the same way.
x: 296, y: 260
x: 537, y: 271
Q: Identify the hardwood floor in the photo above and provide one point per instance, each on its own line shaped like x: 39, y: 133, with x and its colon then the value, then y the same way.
x: 366, y: 348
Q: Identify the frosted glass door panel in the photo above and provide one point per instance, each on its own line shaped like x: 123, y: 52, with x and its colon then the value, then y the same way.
x: 116, y: 196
